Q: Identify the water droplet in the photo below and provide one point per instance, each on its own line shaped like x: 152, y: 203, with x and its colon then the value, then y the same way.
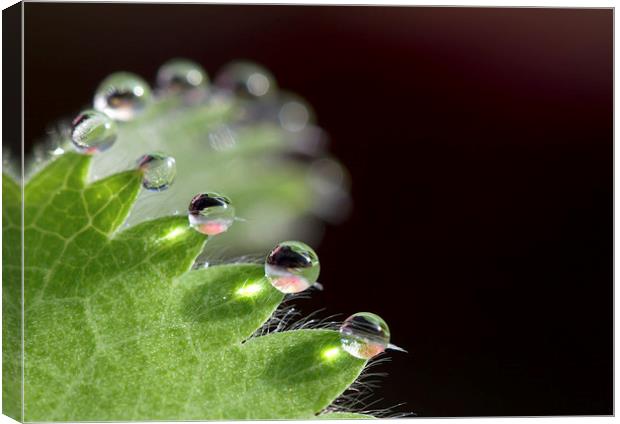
x: 158, y: 171
x: 288, y: 110
x: 245, y: 79
x: 294, y: 114
x: 93, y: 132
x: 330, y: 183
x: 211, y: 213
x: 122, y: 96
x: 310, y: 142
x: 326, y: 175
x: 184, y: 77
x: 292, y: 267
x: 364, y: 335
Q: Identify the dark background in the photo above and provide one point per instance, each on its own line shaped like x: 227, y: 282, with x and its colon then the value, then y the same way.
x: 480, y: 147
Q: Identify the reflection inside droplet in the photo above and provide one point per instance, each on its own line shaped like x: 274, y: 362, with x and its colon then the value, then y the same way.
x: 182, y: 77
x: 93, y: 132
x: 245, y: 79
x: 292, y: 267
x: 122, y: 96
x: 364, y: 335
x: 211, y: 213
x: 158, y: 171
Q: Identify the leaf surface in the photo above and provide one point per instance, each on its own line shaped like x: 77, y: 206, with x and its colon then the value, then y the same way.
x: 117, y: 326
x: 11, y: 298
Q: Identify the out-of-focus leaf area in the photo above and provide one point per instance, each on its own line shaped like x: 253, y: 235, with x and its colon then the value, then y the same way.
x: 239, y: 135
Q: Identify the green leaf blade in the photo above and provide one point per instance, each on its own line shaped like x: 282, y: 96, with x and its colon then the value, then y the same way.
x: 11, y: 298
x: 225, y: 304
x: 120, y: 328
x: 303, y: 372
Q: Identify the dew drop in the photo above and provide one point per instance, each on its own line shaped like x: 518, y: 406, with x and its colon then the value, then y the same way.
x: 364, y: 335
x: 93, y: 132
x: 292, y: 267
x: 211, y: 213
x: 246, y: 80
x: 122, y: 96
x: 182, y: 77
x: 158, y: 171
x: 330, y: 183
x: 294, y: 115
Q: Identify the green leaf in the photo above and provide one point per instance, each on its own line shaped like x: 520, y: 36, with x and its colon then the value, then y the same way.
x: 119, y: 328
x: 11, y: 298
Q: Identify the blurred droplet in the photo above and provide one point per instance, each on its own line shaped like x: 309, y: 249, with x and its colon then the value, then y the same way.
x: 246, y: 80
x: 182, y: 77
x: 327, y: 175
x: 310, y: 141
x: 294, y: 116
x: 122, y: 96
x: 330, y: 183
x: 287, y: 110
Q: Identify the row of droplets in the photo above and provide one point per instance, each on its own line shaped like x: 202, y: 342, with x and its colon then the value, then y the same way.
x: 292, y: 266
x: 123, y: 96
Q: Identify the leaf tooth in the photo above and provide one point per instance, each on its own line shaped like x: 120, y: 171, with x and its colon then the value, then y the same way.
x: 69, y: 170
x: 225, y: 304
x: 167, y: 244
x: 109, y: 201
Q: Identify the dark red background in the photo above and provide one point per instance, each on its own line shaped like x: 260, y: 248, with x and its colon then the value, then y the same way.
x: 480, y: 146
